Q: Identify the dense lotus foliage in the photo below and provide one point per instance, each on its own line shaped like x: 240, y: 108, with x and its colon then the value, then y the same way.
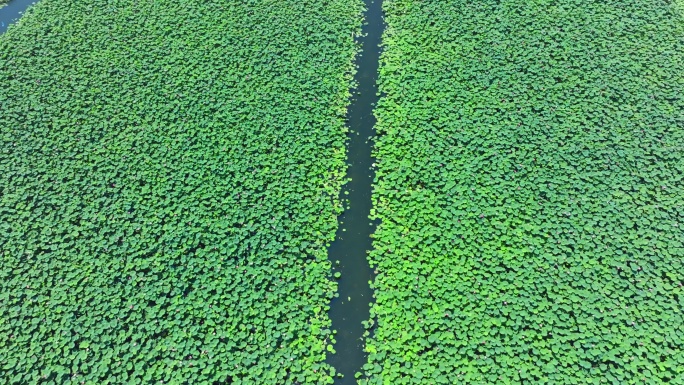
x: 530, y: 185
x: 169, y: 179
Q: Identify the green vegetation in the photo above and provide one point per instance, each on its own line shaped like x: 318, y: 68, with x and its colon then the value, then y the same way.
x: 169, y: 179
x: 530, y: 185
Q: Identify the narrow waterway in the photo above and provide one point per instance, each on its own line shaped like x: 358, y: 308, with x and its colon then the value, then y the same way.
x: 13, y: 11
x: 353, y: 238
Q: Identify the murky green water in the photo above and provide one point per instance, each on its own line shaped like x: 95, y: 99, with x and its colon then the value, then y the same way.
x: 353, y: 236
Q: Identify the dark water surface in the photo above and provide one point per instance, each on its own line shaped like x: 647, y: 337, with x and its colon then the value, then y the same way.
x: 353, y: 235
x: 13, y: 11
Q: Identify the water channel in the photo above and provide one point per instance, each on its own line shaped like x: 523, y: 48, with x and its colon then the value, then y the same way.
x: 353, y: 240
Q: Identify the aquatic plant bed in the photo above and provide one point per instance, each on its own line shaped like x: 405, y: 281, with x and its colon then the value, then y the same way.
x: 169, y: 179
x: 530, y: 187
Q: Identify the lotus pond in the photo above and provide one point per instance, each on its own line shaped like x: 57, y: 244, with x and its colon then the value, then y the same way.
x: 169, y: 181
x: 530, y: 187
x: 170, y: 178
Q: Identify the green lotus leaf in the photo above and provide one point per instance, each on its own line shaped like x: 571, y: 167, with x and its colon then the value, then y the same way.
x: 527, y: 175
x: 161, y: 185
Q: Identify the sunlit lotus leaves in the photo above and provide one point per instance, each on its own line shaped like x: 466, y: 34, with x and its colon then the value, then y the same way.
x: 530, y: 184
x: 169, y: 179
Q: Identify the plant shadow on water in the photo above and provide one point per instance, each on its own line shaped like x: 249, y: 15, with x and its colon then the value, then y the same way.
x: 13, y: 11
x: 353, y: 238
